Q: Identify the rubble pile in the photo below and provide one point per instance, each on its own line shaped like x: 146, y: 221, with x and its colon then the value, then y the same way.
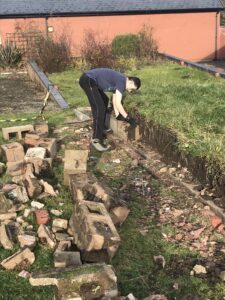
x: 90, y: 236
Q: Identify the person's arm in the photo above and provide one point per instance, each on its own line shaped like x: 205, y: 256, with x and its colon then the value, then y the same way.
x: 117, y: 104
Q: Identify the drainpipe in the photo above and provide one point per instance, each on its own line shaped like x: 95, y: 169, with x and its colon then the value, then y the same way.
x: 46, y: 26
x: 216, y: 38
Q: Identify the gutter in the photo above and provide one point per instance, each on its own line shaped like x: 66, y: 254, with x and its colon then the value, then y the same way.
x: 216, y: 37
x: 109, y: 13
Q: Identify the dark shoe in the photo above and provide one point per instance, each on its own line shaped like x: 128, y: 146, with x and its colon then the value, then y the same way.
x: 96, y: 143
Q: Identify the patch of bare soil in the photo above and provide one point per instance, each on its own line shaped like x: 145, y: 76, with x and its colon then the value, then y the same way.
x: 18, y: 94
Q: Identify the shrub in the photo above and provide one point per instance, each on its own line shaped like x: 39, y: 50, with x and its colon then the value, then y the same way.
x: 125, y: 45
x: 97, y: 52
x: 148, y: 48
x: 10, y: 55
x: 52, y: 55
x: 123, y: 64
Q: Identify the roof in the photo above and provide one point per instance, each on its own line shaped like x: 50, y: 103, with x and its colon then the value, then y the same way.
x: 17, y: 8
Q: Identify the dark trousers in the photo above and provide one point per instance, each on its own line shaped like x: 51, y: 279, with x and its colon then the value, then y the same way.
x: 98, y: 102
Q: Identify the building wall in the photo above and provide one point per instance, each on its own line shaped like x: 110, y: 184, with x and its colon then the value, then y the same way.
x: 222, y: 43
x: 186, y: 35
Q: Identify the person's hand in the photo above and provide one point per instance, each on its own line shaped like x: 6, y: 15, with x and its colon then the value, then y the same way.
x: 132, y: 121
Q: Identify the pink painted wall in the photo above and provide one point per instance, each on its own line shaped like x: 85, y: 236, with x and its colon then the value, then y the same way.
x: 188, y: 35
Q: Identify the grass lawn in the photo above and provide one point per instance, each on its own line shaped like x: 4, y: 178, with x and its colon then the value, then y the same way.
x: 188, y: 101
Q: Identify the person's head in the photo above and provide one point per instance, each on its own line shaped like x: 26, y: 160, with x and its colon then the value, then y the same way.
x: 133, y: 83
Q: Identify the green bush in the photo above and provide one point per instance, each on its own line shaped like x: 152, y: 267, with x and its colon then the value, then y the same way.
x: 125, y: 45
x: 10, y: 55
x: 96, y: 52
x: 52, y: 55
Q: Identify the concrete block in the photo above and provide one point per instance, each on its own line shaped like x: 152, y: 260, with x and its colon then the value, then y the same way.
x: 16, y: 131
x: 91, y: 281
x: 8, y: 216
x: 119, y: 214
x: 75, y: 163
x: 93, y: 228
x: 17, y: 258
x: 13, y: 152
x: 123, y: 130
x: 77, y: 183
x: 18, y: 194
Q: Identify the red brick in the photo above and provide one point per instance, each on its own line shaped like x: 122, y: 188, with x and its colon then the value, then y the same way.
x: 16, y: 168
x: 13, y: 152
x: 216, y: 221
x: 32, y: 139
x: 41, y: 128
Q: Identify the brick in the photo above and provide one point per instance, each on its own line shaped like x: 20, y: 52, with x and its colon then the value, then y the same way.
x: 16, y: 130
x: 46, y: 236
x: 32, y: 139
x: 75, y: 163
x: 18, y: 194
x: 5, y: 204
x: 50, y: 145
x: 27, y: 240
x: 64, y: 245
x: 16, y: 168
x: 35, y: 152
x: 93, y: 228
x: 34, y: 189
x: 17, y: 258
x: 41, y: 128
x: 8, y: 216
x: 48, y: 188
x: 60, y: 223
x: 119, y: 214
x: 90, y: 281
x: 13, y: 152
x: 4, y: 239
x: 64, y: 259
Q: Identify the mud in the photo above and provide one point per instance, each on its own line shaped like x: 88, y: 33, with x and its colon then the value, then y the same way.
x: 18, y: 94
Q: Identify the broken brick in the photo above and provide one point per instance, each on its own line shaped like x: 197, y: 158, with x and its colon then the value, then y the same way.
x: 35, y: 152
x: 48, y: 188
x: 18, y: 194
x: 16, y: 168
x: 13, y: 152
x: 216, y: 221
x: 4, y: 239
x: 50, y: 145
x: 46, y: 236
x: 8, y: 216
x: 17, y: 258
x: 27, y: 240
x: 41, y: 128
x: 119, y: 214
x: 5, y: 204
x: 32, y: 139
x: 42, y: 216
x: 60, y: 223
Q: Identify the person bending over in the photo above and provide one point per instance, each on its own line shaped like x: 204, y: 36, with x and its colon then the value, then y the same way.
x: 95, y: 82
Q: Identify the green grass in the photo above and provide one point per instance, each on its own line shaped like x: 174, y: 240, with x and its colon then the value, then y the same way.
x: 187, y: 101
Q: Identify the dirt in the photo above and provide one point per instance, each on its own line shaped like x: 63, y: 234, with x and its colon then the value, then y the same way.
x: 20, y: 95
